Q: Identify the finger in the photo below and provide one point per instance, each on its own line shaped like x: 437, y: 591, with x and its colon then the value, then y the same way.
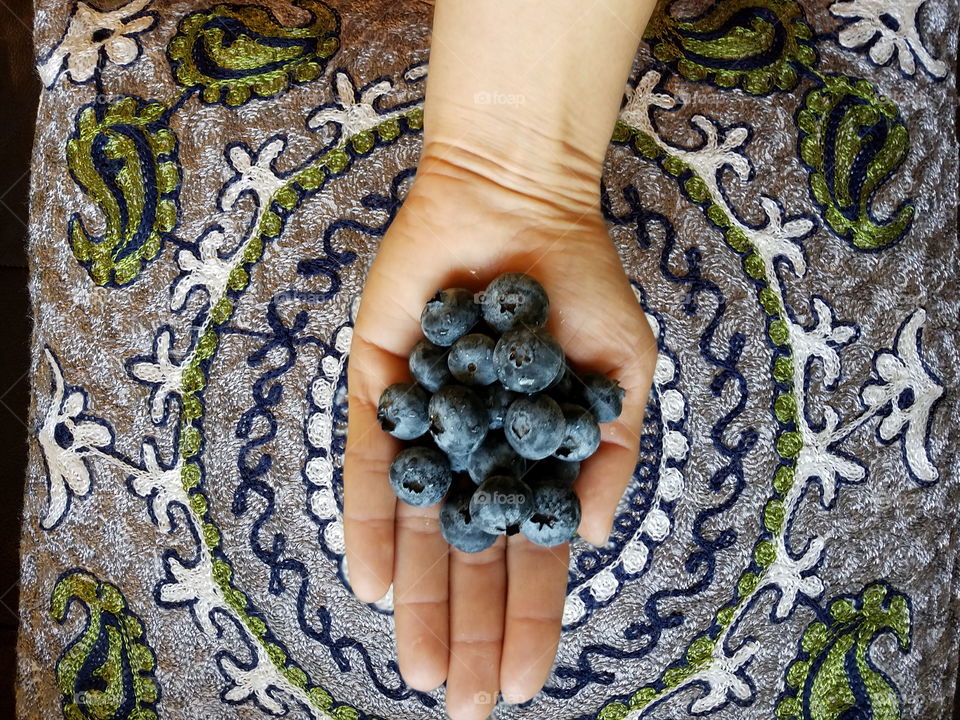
x: 420, y: 597
x: 368, y: 500
x: 536, y: 589
x: 478, y: 589
x: 604, y: 476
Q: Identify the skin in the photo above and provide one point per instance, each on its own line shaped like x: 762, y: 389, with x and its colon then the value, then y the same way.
x: 501, y: 186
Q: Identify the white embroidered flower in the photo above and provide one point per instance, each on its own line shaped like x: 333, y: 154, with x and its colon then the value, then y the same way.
x: 320, y: 471
x: 793, y: 577
x: 656, y: 525
x: 573, y: 609
x: 822, y: 338
x: 634, y: 556
x: 353, y: 111
x: 604, y: 585
x: 672, y: 405
x: 726, y: 678
x: 66, y: 439
x: 193, y: 586
x: 256, y: 682
x: 162, y: 372
x: 161, y: 486
x: 344, y: 339
x: 323, y: 503
x: 642, y: 98
x: 255, y: 173
x: 90, y: 35
x: 722, y: 147
x: 322, y: 393
x: 320, y: 430
x: 333, y: 536
x: 670, y: 486
x: 207, y: 270
x: 780, y: 239
x: 904, y: 391
x: 675, y: 445
x: 893, y: 26
x: 817, y: 460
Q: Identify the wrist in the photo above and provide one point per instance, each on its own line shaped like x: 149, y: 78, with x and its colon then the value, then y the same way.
x: 514, y: 157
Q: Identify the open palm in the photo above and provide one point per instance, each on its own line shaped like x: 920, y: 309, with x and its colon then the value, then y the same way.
x: 489, y: 621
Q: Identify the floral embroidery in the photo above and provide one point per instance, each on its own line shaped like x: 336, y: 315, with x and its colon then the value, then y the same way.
x: 107, y: 672
x: 245, y: 54
x: 904, y: 392
x: 833, y: 676
x: 67, y: 437
x: 91, y: 35
x: 889, y: 29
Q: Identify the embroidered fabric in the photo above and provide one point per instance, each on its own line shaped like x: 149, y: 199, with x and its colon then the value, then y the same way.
x: 209, y: 186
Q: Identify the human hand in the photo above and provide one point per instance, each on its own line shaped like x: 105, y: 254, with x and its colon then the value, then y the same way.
x: 489, y: 621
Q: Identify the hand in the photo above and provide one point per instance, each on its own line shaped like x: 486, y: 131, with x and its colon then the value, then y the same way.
x: 487, y: 621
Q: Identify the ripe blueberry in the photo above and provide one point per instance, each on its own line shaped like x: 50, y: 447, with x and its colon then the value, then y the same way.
x: 448, y: 315
x: 494, y: 457
x: 550, y: 470
x: 471, y: 360
x: 563, y: 385
x: 501, y: 503
x: 428, y: 365
x: 497, y: 399
x: 535, y: 426
x: 420, y: 475
x: 458, y: 419
x: 555, y: 517
x: 457, y: 525
x: 581, y: 438
x: 402, y: 410
x: 527, y: 360
x: 515, y: 300
x: 603, y: 396
x: 458, y: 463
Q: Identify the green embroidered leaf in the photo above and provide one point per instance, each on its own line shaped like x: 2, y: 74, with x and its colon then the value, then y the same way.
x: 107, y: 673
x: 235, y: 52
x: 833, y: 677
x: 852, y: 139
x: 753, y: 44
x: 124, y: 156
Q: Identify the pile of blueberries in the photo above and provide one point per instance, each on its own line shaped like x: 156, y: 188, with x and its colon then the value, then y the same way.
x: 500, y: 423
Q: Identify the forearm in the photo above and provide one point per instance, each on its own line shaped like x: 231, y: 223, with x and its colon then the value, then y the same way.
x: 529, y: 90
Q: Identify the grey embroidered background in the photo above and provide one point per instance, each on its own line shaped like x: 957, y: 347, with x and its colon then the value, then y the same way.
x: 209, y: 186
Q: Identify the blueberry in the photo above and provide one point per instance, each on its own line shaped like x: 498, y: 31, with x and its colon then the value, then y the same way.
x: 515, y: 300
x: 420, y: 475
x: 501, y: 503
x: 457, y: 525
x: 402, y: 410
x: 471, y: 360
x: 564, y: 385
x: 497, y: 399
x: 458, y: 463
x: 527, y: 360
x: 428, y: 365
x: 494, y: 457
x: 603, y: 396
x: 448, y: 315
x: 458, y: 419
x: 555, y: 517
x: 582, y: 435
x: 535, y: 426
x: 551, y: 470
